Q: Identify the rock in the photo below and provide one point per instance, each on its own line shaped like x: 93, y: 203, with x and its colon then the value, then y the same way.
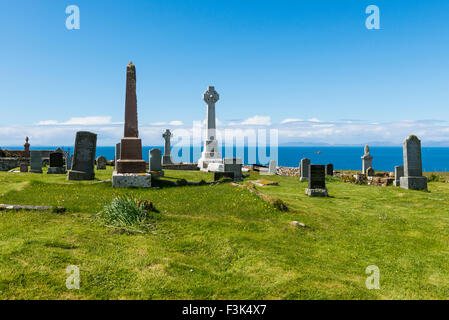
x: 298, y: 224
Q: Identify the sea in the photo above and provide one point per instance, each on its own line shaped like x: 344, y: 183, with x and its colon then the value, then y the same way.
x: 343, y: 158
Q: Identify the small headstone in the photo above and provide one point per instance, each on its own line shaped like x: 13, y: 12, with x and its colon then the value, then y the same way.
x: 304, y: 169
x: 330, y: 169
x: 398, y: 173
x: 273, y: 167
x: 155, y: 160
x: 83, y: 156
x: 117, y: 154
x: 413, y: 178
x: 26, y: 151
x: 23, y: 167
x: 317, y: 181
x: 101, y: 163
x: 35, y: 161
x: 370, y: 172
x: 56, y: 163
x: 234, y: 165
x: 68, y: 162
x: 367, y: 160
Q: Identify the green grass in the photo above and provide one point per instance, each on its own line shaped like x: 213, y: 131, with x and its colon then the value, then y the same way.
x: 222, y: 242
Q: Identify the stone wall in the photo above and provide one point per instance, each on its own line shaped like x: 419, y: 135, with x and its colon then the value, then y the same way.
x: 7, y: 164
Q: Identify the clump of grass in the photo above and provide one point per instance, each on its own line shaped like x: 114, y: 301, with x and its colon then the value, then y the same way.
x: 128, y: 212
x: 434, y: 178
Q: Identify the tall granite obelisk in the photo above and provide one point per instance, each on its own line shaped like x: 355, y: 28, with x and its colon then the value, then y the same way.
x: 131, y: 146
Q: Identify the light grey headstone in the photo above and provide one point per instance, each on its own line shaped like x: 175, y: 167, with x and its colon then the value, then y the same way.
x: 166, y: 159
x: 35, y: 161
x: 272, y: 169
x: 367, y: 160
x: 155, y: 160
x: 398, y: 173
x: 304, y: 169
x: 83, y: 156
x: 413, y: 178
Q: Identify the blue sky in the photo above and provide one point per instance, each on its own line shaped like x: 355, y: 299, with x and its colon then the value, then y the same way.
x: 310, y: 69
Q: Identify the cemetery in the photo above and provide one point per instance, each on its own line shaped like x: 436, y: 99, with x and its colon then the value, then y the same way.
x: 216, y: 229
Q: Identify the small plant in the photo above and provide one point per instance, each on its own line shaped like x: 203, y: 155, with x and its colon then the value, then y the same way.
x: 127, y: 211
x: 434, y: 178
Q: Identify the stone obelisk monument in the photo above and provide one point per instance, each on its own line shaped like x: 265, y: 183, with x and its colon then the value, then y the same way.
x: 166, y: 159
x: 210, y: 152
x: 131, y: 168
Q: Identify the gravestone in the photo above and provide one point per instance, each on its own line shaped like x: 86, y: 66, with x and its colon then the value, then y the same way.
x: 273, y: 167
x: 166, y: 159
x: 234, y: 165
x: 83, y: 156
x: 317, y: 181
x: 398, y: 173
x: 367, y: 160
x: 35, y: 161
x: 23, y: 167
x: 26, y: 151
x: 117, y: 154
x: 56, y: 163
x: 210, y: 152
x: 155, y: 160
x: 330, y: 169
x: 101, y: 163
x: 370, y: 172
x: 68, y: 162
x: 413, y: 178
x: 130, y: 168
x: 304, y: 169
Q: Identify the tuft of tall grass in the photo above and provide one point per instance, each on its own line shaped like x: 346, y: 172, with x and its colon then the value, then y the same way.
x: 125, y: 211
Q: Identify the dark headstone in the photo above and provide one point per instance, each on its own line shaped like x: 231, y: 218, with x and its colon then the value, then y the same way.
x: 330, y: 169
x: 35, y: 161
x: 155, y: 163
x: 24, y: 167
x: 56, y: 159
x: 101, y: 163
x: 83, y: 156
x: 317, y: 176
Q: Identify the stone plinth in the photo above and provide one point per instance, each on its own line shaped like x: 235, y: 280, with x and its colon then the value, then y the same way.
x: 56, y: 170
x: 131, y: 157
x: 413, y: 183
x: 316, y: 192
x: 130, y: 180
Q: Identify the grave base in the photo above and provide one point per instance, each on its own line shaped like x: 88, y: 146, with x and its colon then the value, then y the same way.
x: 36, y: 170
x: 56, y: 170
x: 316, y: 192
x: 131, y: 180
x: 80, y: 175
x: 397, y: 183
x: 204, y: 162
x: 414, y: 183
x: 302, y: 179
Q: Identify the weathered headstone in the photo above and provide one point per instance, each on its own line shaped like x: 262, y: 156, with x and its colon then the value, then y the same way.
x: 304, y: 169
x: 413, y: 178
x: 101, y: 163
x: 35, y: 161
x: 83, y: 156
x: 130, y: 169
x: 166, y: 159
x: 398, y: 173
x: 24, y: 167
x: 330, y: 169
x: 155, y: 160
x: 234, y: 165
x: 317, y: 181
x: 367, y: 160
x: 210, y: 152
x: 117, y: 154
x: 68, y: 162
x: 370, y: 172
x: 56, y: 163
x: 273, y: 167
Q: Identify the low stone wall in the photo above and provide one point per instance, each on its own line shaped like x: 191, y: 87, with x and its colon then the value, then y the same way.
x: 7, y: 164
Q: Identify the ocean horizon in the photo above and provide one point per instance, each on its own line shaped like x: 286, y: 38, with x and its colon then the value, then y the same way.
x: 343, y: 158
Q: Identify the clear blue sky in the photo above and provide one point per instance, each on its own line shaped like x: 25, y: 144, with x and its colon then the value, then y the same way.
x: 282, y: 59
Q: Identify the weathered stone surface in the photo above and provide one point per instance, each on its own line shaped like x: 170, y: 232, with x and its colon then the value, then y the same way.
x: 56, y: 163
x: 413, y: 178
x: 234, y: 165
x: 35, y: 161
x: 155, y: 160
x: 215, y: 167
x: 370, y: 172
x: 166, y: 159
x: 131, y: 146
x: 24, y: 167
x: 117, y: 154
x: 68, y: 162
x: 83, y: 156
x: 304, y: 169
x: 398, y: 173
x: 317, y: 181
x: 210, y: 152
x: 26, y: 151
x: 367, y: 160
x: 101, y: 163
x: 129, y: 180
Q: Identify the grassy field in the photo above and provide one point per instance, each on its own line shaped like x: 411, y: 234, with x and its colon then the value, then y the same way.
x: 223, y: 242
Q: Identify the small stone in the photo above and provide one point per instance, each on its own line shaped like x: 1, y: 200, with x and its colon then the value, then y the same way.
x: 298, y: 224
